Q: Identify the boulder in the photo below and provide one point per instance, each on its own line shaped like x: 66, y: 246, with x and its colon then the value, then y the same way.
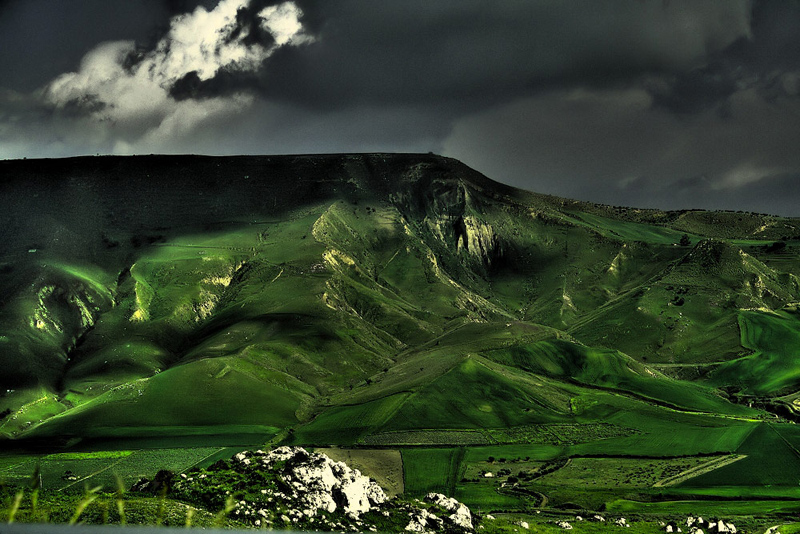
x: 423, y: 521
x: 319, y: 483
x: 459, y: 513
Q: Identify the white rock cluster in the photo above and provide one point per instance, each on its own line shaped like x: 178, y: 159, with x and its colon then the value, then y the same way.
x: 696, y: 525
x: 291, y: 488
x: 423, y: 521
x: 566, y: 525
x: 318, y: 482
x: 459, y: 513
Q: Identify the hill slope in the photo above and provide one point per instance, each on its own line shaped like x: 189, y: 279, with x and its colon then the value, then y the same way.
x: 191, y: 295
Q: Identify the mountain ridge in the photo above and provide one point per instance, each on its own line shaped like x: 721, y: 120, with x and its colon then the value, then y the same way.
x: 330, y: 277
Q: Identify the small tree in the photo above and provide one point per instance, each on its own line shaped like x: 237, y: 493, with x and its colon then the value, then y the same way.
x: 685, y: 241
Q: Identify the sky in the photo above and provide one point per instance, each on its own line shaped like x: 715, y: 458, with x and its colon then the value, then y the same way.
x: 673, y: 104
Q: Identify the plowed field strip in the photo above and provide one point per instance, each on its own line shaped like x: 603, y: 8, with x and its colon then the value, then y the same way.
x: 701, y: 469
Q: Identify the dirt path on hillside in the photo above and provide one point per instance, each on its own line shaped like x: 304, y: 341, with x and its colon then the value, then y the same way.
x: 705, y: 467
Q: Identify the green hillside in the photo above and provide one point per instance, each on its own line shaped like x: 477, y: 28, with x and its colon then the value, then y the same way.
x: 399, y: 301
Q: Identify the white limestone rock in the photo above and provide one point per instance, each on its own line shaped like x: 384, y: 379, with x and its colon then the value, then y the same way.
x: 423, y: 521
x: 321, y: 483
x: 460, y: 515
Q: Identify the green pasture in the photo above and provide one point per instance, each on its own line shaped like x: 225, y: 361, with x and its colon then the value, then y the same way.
x: 482, y: 497
x: 774, y: 338
x: 705, y: 508
x: 632, y: 231
x: 346, y: 425
x: 206, y: 394
x: 73, y: 471
x: 431, y: 470
x: 611, y: 369
x: 772, y: 461
x: 485, y: 399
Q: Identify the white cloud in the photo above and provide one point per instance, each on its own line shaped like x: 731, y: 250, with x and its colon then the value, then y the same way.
x: 283, y: 22
x: 182, y: 124
x: 133, y: 106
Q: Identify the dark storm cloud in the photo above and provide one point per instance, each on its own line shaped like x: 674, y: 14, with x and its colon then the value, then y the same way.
x: 467, y: 51
x: 640, y: 102
x: 774, y: 194
x: 758, y: 61
x: 478, y: 52
x: 615, y: 146
x: 720, y: 133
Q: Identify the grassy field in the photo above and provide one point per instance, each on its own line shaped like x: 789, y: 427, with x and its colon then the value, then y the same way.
x: 170, y: 401
x: 629, y: 231
x: 430, y: 437
x: 484, y: 498
x: 343, y: 425
x: 706, y: 508
x: 487, y: 399
x: 426, y: 470
x: 774, y: 338
x: 772, y: 460
x: 614, y: 472
x: 612, y: 370
x: 65, y: 471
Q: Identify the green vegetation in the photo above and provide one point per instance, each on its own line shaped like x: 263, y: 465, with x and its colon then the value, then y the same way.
x: 706, y: 508
x: 772, y: 460
x: 64, y: 471
x: 347, y: 424
x: 772, y: 368
x: 427, y: 470
x: 589, y: 357
x: 486, y: 399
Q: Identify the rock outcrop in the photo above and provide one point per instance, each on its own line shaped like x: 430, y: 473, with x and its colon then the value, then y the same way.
x: 460, y: 515
x: 292, y: 488
x: 698, y: 525
x: 321, y: 483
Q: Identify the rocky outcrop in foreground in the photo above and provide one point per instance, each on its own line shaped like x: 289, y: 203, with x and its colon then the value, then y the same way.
x: 291, y: 488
